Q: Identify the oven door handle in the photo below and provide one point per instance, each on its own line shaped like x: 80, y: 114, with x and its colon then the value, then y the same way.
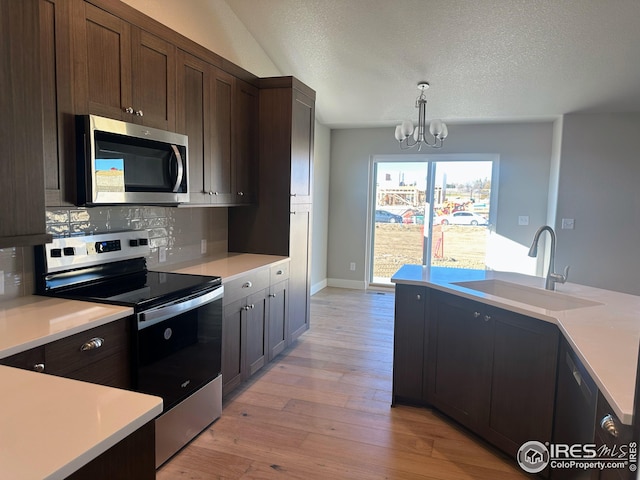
x: 158, y: 314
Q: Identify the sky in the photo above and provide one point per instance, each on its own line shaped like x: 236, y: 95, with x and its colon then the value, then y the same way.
x: 457, y: 172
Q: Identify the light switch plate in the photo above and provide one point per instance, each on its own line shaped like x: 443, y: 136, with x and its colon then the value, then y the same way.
x: 1, y: 282
x: 203, y: 246
x: 567, y: 223
x: 162, y: 254
x: 523, y: 220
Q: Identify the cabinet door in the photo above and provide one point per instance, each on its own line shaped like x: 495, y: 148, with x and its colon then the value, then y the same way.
x: 278, y: 318
x: 22, y: 213
x: 102, y: 57
x: 408, y: 343
x: 57, y: 103
x: 523, y: 380
x: 232, y: 361
x: 245, y: 142
x: 192, y: 114
x: 302, y: 128
x: 299, y: 253
x: 460, y: 359
x: 219, y: 166
x: 256, y: 332
x: 154, y: 80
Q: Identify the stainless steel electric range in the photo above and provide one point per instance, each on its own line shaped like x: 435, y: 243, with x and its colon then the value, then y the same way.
x: 177, y: 329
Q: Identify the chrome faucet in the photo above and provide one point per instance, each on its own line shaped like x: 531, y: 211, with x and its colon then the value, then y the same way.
x: 552, y: 277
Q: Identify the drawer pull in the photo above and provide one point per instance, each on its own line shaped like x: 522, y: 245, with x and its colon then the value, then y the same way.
x: 487, y: 318
x: 38, y: 367
x: 476, y: 314
x: 279, y: 272
x: 608, y: 424
x: 92, y: 344
x: 247, y: 285
x: 272, y: 295
x: 418, y: 297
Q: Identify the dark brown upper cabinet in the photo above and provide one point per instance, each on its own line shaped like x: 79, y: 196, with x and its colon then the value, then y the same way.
x: 245, y: 143
x: 204, y: 112
x: 22, y: 217
x: 122, y: 71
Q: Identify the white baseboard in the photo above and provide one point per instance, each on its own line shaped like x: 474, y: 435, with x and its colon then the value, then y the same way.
x: 351, y: 284
x: 316, y: 287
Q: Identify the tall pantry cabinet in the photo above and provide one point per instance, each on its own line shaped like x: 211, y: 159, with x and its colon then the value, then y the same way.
x: 280, y: 222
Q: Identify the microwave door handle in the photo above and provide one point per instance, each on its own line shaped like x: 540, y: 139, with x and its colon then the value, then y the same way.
x: 176, y: 187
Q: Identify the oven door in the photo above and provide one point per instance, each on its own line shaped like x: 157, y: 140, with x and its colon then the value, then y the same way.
x: 179, y: 347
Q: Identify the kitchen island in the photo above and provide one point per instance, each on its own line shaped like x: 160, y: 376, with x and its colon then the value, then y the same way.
x: 605, y: 336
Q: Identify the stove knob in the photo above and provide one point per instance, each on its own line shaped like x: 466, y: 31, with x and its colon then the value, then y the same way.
x: 69, y: 251
x: 133, y: 243
x: 143, y: 241
x: 56, y: 252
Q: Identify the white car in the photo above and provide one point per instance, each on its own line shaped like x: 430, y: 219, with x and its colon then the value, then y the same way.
x: 463, y: 218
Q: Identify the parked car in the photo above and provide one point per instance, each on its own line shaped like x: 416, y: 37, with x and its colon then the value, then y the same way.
x: 382, y: 216
x: 462, y: 218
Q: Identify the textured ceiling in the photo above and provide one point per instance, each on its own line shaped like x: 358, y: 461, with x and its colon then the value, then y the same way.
x: 486, y: 60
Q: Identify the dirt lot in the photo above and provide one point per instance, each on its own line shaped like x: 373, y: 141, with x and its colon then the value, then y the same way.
x: 459, y: 246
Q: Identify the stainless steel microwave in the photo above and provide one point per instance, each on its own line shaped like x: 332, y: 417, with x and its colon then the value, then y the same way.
x: 126, y: 163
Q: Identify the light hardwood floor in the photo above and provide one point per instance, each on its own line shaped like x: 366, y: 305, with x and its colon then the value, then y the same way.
x: 322, y: 411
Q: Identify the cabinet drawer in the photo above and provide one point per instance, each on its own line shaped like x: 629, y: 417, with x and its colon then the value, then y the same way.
x: 27, y: 360
x: 67, y: 355
x: 245, y: 285
x: 279, y: 272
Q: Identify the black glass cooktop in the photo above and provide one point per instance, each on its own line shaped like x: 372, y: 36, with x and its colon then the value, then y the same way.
x: 141, y: 290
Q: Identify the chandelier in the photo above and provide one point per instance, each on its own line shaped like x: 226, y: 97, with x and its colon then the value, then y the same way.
x: 409, y: 137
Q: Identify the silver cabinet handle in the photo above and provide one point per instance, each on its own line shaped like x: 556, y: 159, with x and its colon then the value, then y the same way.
x: 279, y: 272
x: 241, y: 193
x: 476, y: 314
x: 38, y: 367
x: 487, y: 318
x: 213, y: 193
x: 252, y: 306
x: 247, y: 285
x: 418, y: 297
x: 92, y: 344
x: 272, y: 295
x: 294, y: 194
x: 608, y: 424
x: 129, y: 110
x: 245, y: 308
x: 140, y: 113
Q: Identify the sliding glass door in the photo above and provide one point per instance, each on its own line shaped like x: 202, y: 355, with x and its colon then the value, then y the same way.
x: 429, y: 211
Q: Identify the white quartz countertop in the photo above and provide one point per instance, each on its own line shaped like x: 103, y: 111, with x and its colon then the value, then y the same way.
x: 32, y: 321
x: 52, y: 426
x: 228, y: 266
x: 605, y: 336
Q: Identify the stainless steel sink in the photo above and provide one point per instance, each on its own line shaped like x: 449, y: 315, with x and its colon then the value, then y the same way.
x: 528, y: 295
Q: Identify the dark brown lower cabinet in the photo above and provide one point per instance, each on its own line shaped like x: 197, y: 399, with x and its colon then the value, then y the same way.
x: 109, y: 364
x: 244, y: 345
x: 492, y: 370
x: 132, y: 457
x: 408, y: 344
x: 278, y: 318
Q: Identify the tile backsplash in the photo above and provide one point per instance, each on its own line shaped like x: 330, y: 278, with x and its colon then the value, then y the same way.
x: 180, y: 230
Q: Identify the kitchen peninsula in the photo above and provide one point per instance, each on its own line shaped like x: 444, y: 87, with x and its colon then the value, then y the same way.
x: 487, y: 348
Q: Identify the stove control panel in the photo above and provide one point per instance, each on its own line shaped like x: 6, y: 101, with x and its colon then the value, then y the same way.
x: 72, y: 252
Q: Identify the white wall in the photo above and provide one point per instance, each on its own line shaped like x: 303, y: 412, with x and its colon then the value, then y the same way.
x: 599, y: 187
x: 212, y: 24
x: 525, y: 159
x: 320, y: 213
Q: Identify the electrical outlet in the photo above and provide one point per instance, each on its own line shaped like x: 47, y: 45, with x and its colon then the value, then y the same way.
x: 523, y: 220
x: 1, y: 282
x: 162, y: 254
x: 203, y: 246
x: 352, y: 266
x: 567, y: 224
